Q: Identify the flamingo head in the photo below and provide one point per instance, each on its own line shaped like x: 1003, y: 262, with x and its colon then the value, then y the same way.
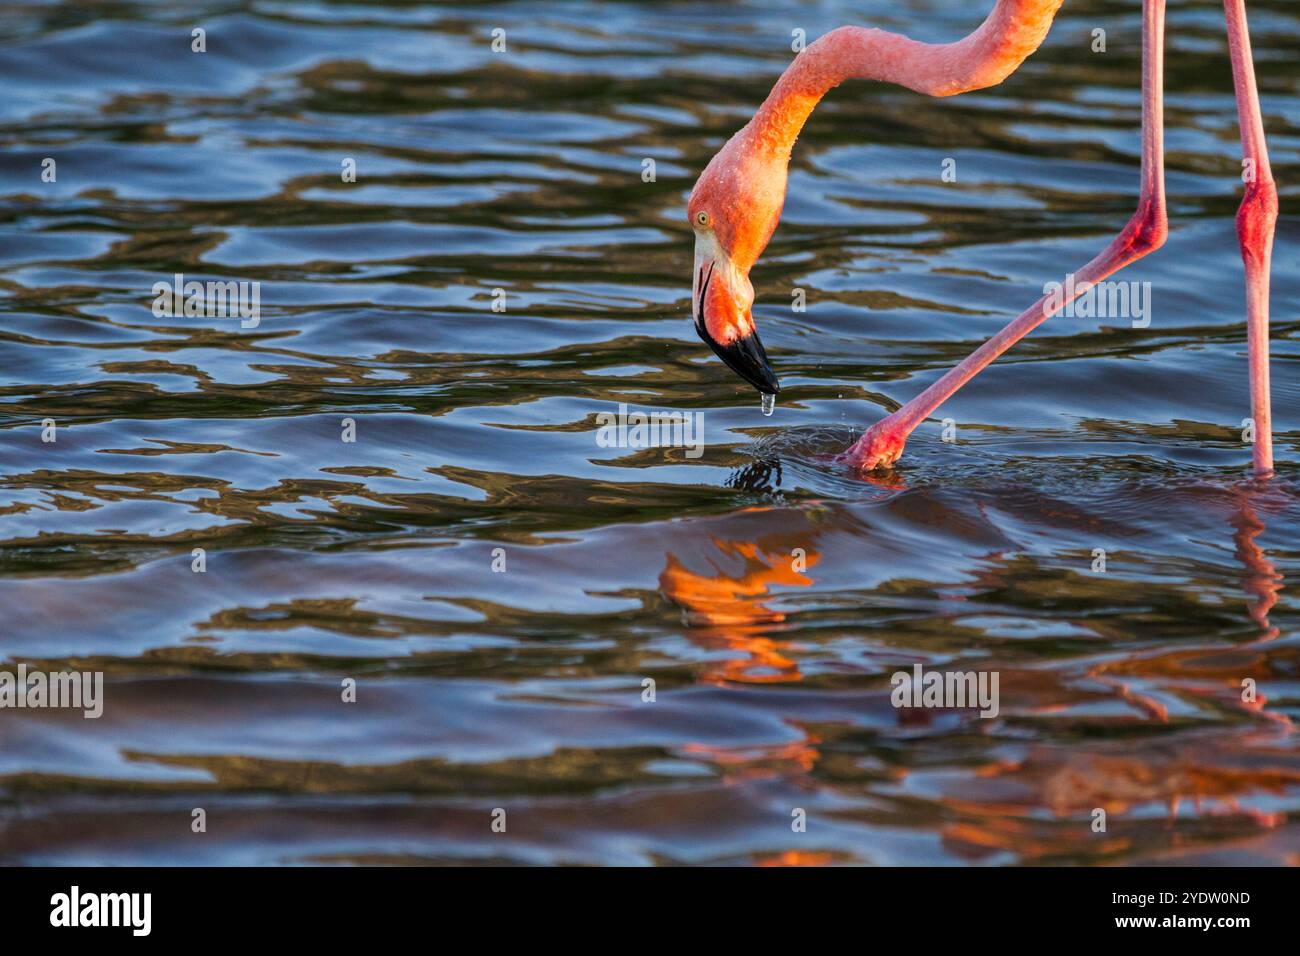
x: 734, y: 209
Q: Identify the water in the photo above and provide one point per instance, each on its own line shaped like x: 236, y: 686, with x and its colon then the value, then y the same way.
x: 500, y: 587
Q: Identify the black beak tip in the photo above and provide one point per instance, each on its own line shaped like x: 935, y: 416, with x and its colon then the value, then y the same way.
x: 748, y: 359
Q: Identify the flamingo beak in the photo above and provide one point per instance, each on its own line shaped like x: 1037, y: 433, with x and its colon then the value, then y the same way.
x: 721, y: 309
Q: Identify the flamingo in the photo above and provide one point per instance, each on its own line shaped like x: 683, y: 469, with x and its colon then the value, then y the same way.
x: 736, y: 203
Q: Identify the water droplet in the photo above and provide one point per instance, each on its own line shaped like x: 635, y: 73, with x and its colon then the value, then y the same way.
x: 769, y: 402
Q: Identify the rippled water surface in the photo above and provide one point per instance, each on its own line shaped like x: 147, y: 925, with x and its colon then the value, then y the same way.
x: 768, y: 595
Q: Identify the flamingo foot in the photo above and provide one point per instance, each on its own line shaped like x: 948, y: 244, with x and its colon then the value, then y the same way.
x: 879, y: 447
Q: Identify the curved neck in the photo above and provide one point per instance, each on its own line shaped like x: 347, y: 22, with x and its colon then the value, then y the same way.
x: 986, y: 57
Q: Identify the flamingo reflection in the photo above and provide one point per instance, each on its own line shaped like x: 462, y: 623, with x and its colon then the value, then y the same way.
x: 726, y: 607
x: 997, y: 814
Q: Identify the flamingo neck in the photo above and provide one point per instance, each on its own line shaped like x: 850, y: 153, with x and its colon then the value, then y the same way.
x: 985, y: 58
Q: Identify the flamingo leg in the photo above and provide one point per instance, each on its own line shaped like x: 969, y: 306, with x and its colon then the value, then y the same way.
x: 1145, y: 232
x: 1255, y: 221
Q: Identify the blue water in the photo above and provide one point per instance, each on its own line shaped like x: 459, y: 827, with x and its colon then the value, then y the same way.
x: 767, y: 594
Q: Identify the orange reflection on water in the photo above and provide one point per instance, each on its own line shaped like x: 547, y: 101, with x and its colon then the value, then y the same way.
x: 1262, y: 580
x: 796, y: 858
x: 1002, y: 812
x: 795, y: 757
x: 728, y: 608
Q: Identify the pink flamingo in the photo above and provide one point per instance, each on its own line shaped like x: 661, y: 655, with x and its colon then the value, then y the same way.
x: 735, y: 205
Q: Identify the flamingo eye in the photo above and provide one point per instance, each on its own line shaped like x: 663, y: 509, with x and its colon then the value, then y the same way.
x: 702, y: 218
